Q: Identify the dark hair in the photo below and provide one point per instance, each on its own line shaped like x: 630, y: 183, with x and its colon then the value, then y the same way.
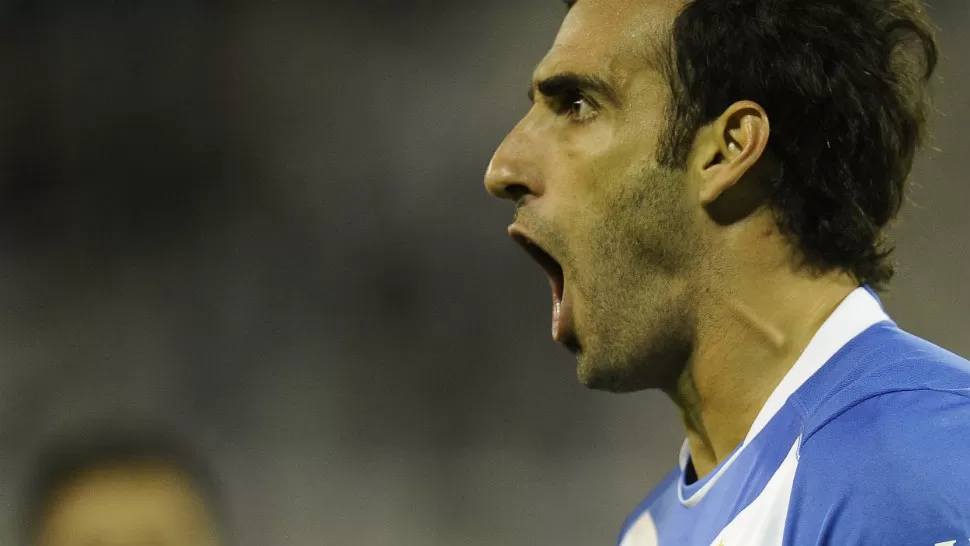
x: 844, y: 84
x: 69, y: 458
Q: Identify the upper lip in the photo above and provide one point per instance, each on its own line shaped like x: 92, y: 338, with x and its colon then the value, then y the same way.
x: 538, y: 253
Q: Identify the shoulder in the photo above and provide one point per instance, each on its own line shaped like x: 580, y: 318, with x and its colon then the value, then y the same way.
x: 660, y: 499
x: 920, y: 429
x: 882, y: 366
x: 886, y: 458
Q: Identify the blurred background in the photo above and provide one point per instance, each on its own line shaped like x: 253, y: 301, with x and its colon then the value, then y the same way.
x: 265, y: 224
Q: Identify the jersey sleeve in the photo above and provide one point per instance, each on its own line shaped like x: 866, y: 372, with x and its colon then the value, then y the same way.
x: 893, y: 469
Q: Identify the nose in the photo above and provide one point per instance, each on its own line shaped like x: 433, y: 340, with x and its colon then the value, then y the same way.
x: 514, y: 172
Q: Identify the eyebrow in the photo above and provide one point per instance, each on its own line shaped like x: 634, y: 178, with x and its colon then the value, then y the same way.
x: 567, y: 81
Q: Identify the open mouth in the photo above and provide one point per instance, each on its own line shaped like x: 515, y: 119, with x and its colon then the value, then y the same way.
x: 548, y: 263
x: 561, y: 312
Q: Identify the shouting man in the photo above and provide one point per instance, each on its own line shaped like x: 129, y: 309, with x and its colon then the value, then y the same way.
x: 707, y: 184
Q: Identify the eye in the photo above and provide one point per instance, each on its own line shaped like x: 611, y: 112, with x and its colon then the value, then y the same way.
x: 577, y: 107
x: 581, y: 109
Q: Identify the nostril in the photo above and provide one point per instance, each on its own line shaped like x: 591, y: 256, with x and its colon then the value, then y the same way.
x: 515, y: 192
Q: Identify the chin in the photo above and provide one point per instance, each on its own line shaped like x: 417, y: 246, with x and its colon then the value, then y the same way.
x: 604, y: 375
x: 622, y: 373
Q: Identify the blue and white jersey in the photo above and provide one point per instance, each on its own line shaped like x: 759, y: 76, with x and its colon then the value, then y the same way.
x: 866, y: 442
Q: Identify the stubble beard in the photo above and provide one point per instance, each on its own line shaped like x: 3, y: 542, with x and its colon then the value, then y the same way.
x: 639, y: 330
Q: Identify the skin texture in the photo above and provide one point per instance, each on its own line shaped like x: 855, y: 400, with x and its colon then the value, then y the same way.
x: 143, y: 504
x: 674, y: 279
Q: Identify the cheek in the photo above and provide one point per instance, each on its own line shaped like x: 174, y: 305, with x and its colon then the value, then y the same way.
x: 576, y: 157
x: 631, y: 234
x: 595, y: 143
x: 601, y: 261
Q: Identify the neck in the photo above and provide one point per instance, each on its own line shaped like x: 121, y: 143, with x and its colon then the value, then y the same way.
x: 750, y: 333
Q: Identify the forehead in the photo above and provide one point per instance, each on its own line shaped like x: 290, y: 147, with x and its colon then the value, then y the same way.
x: 611, y: 36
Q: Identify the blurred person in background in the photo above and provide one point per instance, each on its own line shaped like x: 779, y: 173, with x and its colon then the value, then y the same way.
x: 123, y: 487
x: 708, y: 184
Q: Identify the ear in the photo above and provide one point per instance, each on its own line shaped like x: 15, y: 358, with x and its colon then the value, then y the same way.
x: 729, y: 147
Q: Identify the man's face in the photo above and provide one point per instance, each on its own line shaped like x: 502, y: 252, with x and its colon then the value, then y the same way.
x: 126, y: 505
x: 614, y: 230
